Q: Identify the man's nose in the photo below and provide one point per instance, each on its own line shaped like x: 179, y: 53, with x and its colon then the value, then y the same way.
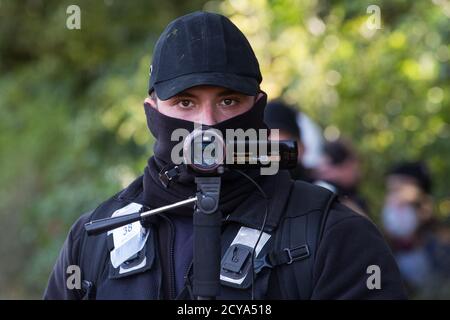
x: 209, y: 115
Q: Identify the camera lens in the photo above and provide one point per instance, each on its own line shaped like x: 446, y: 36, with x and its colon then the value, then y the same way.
x: 204, y: 150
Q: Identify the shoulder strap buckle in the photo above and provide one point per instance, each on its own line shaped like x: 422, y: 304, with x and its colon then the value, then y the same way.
x: 297, y: 253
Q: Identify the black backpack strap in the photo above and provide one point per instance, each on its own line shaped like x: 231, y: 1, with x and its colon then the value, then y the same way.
x: 94, y: 252
x: 93, y: 256
x: 297, y: 239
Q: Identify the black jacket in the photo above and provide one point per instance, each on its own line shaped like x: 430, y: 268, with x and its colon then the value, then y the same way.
x: 350, y: 244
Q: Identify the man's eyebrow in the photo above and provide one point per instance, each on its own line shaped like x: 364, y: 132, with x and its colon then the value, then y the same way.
x: 226, y: 92
x: 229, y: 92
x: 184, y: 94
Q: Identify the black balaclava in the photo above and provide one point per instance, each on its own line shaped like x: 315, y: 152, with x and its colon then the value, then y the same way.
x: 235, y: 188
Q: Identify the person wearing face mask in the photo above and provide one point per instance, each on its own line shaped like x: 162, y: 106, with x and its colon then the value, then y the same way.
x: 305, y: 244
x: 420, y: 242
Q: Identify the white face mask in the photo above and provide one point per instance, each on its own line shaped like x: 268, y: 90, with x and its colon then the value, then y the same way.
x: 400, y: 221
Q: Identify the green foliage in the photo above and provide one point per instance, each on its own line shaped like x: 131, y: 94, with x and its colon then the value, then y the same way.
x: 72, y: 127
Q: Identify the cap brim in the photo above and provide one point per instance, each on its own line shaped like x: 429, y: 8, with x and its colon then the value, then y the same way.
x: 169, y: 88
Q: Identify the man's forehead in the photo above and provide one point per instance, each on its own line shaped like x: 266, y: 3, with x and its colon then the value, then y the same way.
x: 403, y: 186
x: 207, y: 90
x: 400, y: 180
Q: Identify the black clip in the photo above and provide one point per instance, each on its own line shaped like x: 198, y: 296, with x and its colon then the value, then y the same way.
x: 166, y: 176
x: 294, y: 255
x: 261, y: 263
x: 235, y: 258
x: 89, y: 290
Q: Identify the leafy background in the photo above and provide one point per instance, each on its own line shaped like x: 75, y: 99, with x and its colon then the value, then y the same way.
x: 72, y: 127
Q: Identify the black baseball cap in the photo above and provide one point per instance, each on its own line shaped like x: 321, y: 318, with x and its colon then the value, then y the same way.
x: 279, y: 115
x: 203, y: 48
x: 417, y: 170
x: 339, y: 151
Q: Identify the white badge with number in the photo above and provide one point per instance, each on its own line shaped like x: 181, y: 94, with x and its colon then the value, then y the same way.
x: 128, y: 239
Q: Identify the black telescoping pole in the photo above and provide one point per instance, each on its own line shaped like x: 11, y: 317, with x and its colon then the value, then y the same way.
x: 207, y: 234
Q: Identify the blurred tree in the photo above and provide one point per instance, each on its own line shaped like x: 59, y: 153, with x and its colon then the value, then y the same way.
x: 72, y: 127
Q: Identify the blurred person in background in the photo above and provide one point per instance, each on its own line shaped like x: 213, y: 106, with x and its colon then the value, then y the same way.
x: 282, y: 116
x: 339, y: 170
x: 421, y: 243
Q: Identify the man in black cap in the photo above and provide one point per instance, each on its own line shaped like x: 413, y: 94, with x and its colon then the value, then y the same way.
x: 305, y: 245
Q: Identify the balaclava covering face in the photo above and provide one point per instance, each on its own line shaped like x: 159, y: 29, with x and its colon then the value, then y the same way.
x: 234, y: 187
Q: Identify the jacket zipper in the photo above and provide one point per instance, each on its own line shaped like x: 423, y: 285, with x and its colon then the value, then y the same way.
x: 158, y: 257
x: 187, y: 280
x: 172, y: 289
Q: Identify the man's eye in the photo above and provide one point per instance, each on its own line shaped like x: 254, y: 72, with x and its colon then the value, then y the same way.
x: 228, y: 102
x: 185, y: 104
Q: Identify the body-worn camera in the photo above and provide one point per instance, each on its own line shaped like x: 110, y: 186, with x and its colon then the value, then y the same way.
x: 205, y: 151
